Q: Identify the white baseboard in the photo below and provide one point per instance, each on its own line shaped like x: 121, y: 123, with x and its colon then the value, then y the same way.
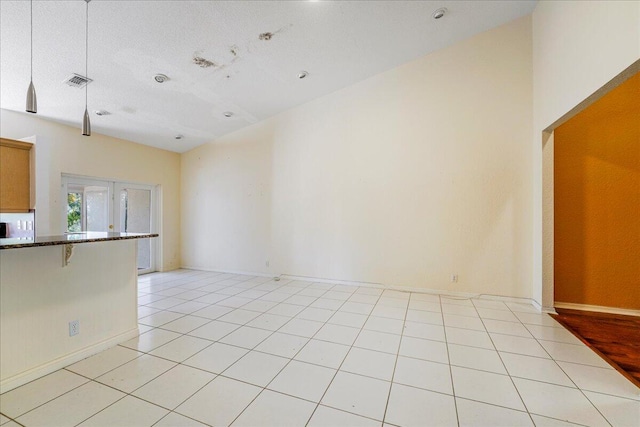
x: 544, y: 308
x: 334, y: 281
x: 457, y: 294
x: 465, y: 295
x: 59, y: 363
x: 597, y: 308
x: 248, y: 273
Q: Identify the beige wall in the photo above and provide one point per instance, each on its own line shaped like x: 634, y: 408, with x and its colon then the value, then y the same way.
x: 39, y: 297
x: 62, y: 149
x: 402, y: 179
x: 578, y: 46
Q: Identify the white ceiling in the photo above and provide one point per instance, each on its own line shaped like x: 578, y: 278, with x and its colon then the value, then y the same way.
x: 338, y: 43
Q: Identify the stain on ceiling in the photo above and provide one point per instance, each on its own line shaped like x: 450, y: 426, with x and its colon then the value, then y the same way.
x: 219, y: 57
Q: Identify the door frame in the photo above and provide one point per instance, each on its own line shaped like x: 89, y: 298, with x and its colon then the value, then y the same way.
x: 87, y: 183
x: 114, y: 186
x: 121, y: 185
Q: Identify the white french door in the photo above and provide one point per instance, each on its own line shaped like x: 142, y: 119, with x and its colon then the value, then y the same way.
x: 99, y: 205
x: 88, y: 205
x: 133, y: 213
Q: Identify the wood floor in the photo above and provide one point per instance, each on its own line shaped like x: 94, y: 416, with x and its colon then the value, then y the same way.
x: 615, y: 337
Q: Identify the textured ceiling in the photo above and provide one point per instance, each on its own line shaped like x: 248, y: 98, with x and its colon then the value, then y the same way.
x: 338, y: 43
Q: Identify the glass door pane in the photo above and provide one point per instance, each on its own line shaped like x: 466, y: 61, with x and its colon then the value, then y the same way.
x: 96, y: 200
x: 88, y: 206
x: 135, y: 217
x: 74, y: 211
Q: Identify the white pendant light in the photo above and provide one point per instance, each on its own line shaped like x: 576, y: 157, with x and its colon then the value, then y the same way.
x: 86, y: 122
x: 32, y: 102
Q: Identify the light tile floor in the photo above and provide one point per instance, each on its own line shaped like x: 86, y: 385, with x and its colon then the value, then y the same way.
x: 224, y: 349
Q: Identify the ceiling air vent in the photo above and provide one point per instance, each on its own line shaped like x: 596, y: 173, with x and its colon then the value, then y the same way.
x: 76, y: 80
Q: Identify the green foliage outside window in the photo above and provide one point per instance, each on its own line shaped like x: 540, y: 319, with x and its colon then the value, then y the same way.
x: 74, y: 212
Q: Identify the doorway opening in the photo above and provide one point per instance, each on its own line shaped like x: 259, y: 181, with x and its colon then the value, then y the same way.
x: 548, y: 238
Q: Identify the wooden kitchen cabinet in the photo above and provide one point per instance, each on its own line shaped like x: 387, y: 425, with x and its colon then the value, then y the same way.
x: 15, y: 171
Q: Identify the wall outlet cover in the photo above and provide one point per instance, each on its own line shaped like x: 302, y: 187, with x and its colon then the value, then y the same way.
x: 74, y: 327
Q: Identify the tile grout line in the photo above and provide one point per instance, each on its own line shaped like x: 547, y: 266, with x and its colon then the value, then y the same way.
x: 11, y: 419
x: 345, y: 358
x: 504, y: 365
x: 446, y: 344
x: 172, y: 361
x: 292, y: 358
x: 191, y: 314
x: 253, y: 349
x: 101, y: 410
x: 576, y: 386
x: 395, y: 364
x: 298, y: 352
x: 218, y: 341
x: 154, y: 378
x: 181, y: 364
x: 94, y: 380
x: 567, y: 375
x: 193, y: 278
x: 50, y: 400
x: 180, y: 415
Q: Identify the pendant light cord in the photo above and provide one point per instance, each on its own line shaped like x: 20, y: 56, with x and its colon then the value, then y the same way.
x: 86, y: 55
x: 86, y: 122
x: 32, y: 40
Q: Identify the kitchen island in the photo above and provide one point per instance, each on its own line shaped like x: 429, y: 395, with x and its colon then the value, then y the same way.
x: 51, y: 283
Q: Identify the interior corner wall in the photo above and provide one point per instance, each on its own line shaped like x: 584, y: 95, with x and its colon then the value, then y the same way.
x: 597, y: 202
x: 62, y: 149
x: 578, y: 46
x: 403, y: 179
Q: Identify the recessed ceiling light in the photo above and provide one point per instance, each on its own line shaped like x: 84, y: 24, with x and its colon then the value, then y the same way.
x: 102, y: 113
x: 439, y: 13
x: 160, y: 78
x: 302, y: 74
x: 227, y: 114
x: 179, y: 136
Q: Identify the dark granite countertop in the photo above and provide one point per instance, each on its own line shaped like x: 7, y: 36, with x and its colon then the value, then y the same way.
x: 71, y: 238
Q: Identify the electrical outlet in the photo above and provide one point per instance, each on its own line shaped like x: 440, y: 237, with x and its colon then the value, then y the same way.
x: 454, y: 278
x: 74, y: 327
x: 266, y: 263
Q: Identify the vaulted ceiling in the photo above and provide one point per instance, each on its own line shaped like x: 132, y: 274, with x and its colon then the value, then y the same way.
x: 337, y: 42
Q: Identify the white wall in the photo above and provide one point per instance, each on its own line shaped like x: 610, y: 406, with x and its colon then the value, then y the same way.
x: 578, y: 46
x: 401, y: 179
x: 62, y: 149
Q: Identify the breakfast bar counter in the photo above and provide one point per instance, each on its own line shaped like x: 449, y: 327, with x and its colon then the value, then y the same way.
x: 64, y: 298
x: 70, y: 238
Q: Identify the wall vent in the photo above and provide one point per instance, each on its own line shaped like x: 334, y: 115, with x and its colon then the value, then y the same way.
x: 76, y: 80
